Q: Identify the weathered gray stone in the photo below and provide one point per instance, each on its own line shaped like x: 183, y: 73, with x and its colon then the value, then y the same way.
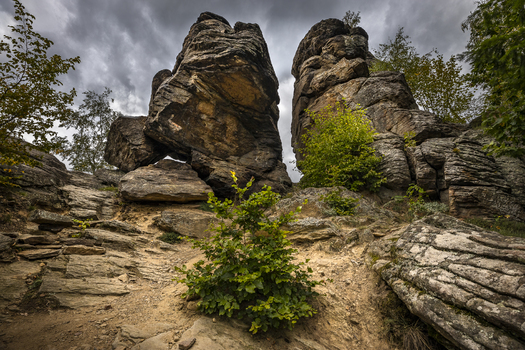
x: 310, y: 230
x: 159, y: 342
x: 98, y: 266
x: 120, y: 227
x: 219, y: 336
x: 441, y: 264
x: 13, y: 284
x: 111, y: 239
x: 191, y: 223
x: 35, y: 254
x: 394, y: 164
x: 138, y: 333
x: 86, y: 203
x: 45, y: 217
x: 165, y: 181
x: 128, y: 148
x: 7, y: 254
x: 90, y: 286
x: 109, y: 177
x: 83, y: 250
x: 37, y: 240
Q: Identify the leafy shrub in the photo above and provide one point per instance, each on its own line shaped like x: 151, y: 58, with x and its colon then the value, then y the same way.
x: 340, y: 205
x: 170, y: 237
x: 336, y: 151
x: 81, y: 224
x: 250, y: 272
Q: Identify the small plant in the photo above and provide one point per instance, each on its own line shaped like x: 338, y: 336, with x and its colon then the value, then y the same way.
x: 455, y: 150
x: 415, y: 196
x: 250, y: 271
x: 340, y: 205
x: 409, y: 139
x: 81, y: 224
x: 170, y: 237
x: 109, y: 188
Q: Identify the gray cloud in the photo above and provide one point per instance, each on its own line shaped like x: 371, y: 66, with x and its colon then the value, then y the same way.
x: 123, y: 43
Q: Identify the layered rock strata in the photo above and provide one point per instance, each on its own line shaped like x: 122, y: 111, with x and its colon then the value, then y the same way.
x: 467, y: 283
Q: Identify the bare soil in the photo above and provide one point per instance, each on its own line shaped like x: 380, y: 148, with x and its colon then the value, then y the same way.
x: 348, y: 315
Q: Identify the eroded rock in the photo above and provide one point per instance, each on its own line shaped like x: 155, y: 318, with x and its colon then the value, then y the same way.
x: 191, y: 223
x: 167, y: 180
x: 441, y: 264
x: 221, y: 102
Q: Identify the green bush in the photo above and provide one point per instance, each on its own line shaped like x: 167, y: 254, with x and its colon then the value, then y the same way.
x: 340, y: 205
x: 250, y: 271
x: 170, y: 237
x: 337, y: 151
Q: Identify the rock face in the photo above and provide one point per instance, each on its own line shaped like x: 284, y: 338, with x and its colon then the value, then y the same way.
x: 469, y: 284
x: 165, y: 181
x: 217, y: 110
x: 191, y: 223
x: 448, y: 161
x: 128, y: 148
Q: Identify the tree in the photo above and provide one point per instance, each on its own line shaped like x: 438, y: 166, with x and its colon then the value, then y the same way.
x: 29, y: 103
x: 352, y: 19
x: 496, y: 53
x: 337, y: 151
x: 438, y: 86
x: 251, y: 272
x: 92, y: 122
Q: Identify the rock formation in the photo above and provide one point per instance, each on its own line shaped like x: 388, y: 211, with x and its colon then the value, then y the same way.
x: 217, y: 110
x: 166, y: 181
x: 448, y: 162
x: 467, y: 283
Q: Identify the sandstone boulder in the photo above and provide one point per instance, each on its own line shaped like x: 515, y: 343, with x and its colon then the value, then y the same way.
x: 128, y: 148
x: 218, y: 108
x: 190, y: 223
x: 467, y: 283
x: 167, y: 180
x: 89, y: 203
x: 40, y: 216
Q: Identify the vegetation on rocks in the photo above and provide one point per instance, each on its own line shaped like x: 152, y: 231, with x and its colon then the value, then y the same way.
x: 437, y: 85
x: 337, y: 151
x: 495, y: 52
x: 250, y: 271
x: 92, y: 122
x: 30, y: 103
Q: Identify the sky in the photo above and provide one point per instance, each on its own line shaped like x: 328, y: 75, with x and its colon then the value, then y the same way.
x: 123, y: 43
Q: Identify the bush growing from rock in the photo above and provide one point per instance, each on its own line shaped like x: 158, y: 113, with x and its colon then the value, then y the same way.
x: 250, y: 271
x: 337, y: 151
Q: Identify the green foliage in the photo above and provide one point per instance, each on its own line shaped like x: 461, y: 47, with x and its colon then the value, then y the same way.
x: 81, y: 224
x: 409, y: 139
x: 342, y: 206
x: 501, y: 224
x: 170, y: 237
x: 496, y: 54
x: 437, y: 86
x: 109, y: 189
x: 352, y: 18
x: 29, y: 102
x: 92, y: 122
x: 337, y: 151
x: 250, y: 271
x: 417, y: 207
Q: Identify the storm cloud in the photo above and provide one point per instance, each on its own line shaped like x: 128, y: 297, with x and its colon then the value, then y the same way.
x: 123, y: 43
